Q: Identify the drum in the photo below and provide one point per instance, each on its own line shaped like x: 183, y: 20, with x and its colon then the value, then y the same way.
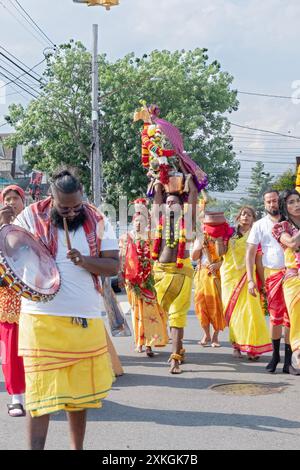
x: 26, y: 266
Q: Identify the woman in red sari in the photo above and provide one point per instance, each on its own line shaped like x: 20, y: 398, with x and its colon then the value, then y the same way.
x: 148, y: 319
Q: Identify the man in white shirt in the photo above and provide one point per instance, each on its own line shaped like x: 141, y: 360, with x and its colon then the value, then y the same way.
x: 274, y: 269
x: 63, y: 342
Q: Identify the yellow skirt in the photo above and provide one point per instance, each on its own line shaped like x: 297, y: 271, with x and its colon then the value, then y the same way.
x: 174, y: 288
x: 291, y: 290
x: 67, y: 367
x: 208, y: 301
x: 149, y: 321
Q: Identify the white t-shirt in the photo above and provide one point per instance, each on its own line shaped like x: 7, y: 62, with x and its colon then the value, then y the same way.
x: 261, y: 233
x: 77, y: 296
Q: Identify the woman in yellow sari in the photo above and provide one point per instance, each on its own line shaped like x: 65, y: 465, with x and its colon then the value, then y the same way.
x: 244, y: 314
x: 287, y: 232
x: 148, y: 318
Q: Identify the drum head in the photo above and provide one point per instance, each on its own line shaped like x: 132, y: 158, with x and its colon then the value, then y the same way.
x: 29, y: 260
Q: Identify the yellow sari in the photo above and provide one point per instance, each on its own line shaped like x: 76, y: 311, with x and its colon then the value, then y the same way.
x: 244, y: 315
x: 291, y: 290
x: 208, y: 301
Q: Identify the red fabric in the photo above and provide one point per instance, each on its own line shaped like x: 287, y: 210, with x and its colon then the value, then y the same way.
x: 276, y: 303
x: 12, y: 187
x: 233, y: 299
x: 12, y: 364
x: 131, y: 268
x: 45, y: 231
x: 216, y: 231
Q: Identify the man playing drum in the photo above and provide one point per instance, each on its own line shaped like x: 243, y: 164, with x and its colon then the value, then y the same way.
x: 12, y: 197
x: 63, y: 342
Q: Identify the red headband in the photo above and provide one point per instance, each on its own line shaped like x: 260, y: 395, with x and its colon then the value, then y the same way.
x: 12, y: 187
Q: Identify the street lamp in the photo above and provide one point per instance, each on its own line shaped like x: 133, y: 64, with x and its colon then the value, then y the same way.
x: 96, y: 154
x: 103, y: 3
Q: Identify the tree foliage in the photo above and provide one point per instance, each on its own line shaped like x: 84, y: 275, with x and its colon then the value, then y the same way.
x: 260, y: 181
x: 192, y: 93
x: 285, y: 181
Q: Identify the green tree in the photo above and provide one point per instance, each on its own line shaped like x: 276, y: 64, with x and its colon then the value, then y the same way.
x: 285, y: 181
x: 260, y: 181
x: 192, y: 93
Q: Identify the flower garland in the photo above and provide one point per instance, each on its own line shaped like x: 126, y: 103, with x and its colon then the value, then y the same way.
x: 143, y: 284
x: 179, y: 239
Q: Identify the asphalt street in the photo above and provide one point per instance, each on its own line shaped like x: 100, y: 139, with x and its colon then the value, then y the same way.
x: 148, y: 408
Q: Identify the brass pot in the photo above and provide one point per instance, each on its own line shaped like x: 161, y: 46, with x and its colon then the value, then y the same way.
x: 175, y: 184
x: 214, y: 218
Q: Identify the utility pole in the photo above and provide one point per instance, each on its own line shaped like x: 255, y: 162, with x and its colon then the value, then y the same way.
x: 96, y: 160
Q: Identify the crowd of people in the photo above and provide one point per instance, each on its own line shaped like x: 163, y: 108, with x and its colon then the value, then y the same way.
x: 57, y: 352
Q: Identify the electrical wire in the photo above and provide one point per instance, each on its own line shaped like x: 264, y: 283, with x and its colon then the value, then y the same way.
x: 263, y: 130
x: 18, y: 60
x: 34, y: 22
x: 14, y: 16
x: 17, y: 84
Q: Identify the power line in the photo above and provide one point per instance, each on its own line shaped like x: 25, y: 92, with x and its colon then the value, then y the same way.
x: 22, y: 75
x: 18, y: 60
x: 267, y: 95
x: 21, y: 81
x: 254, y: 161
x: 3, y: 75
x: 21, y: 68
x: 14, y: 16
x: 40, y: 29
x: 263, y: 130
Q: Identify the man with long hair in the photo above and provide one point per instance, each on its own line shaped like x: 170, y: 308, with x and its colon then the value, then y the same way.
x: 63, y: 342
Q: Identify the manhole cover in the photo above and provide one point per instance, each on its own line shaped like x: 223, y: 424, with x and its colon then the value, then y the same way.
x: 247, y: 389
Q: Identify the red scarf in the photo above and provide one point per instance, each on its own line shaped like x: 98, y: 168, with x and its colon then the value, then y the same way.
x: 47, y: 232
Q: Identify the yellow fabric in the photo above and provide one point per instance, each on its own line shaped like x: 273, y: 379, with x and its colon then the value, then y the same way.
x: 289, y: 259
x: 291, y: 289
x: 208, y: 303
x: 174, y: 287
x: 67, y: 367
x: 248, y: 329
x: 149, y: 321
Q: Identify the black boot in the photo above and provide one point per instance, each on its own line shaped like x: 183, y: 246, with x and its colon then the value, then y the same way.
x: 271, y: 367
x: 287, y: 358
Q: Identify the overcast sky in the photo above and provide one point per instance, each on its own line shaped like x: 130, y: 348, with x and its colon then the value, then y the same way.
x: 256, y: 41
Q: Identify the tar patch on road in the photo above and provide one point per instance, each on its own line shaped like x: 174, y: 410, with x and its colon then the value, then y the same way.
x: 249, y: 389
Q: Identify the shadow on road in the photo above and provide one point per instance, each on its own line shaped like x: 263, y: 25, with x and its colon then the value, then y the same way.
x: 226, y: 362
x: 115, y: 412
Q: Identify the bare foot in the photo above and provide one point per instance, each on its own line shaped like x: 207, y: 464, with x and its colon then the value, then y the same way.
x: 139, y: 349
x: 215, y: 341
x: 252, y: 358
x: 175, y: 369
x: 296, y: 359
x: 149, y: 351
x: 237, y: 353
x: 205, y: 341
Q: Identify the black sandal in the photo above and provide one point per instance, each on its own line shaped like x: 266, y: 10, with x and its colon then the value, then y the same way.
x: 16, y: 406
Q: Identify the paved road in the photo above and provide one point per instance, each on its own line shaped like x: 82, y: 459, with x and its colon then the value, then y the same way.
x: 150, y: 409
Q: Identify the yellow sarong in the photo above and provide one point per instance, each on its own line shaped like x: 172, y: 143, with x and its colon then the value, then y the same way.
x: 149, y: 321
x: 291, y: 290
x: 174, y: 287
x: 244, y: 314
x: 208, y: 303
x: 67, y: 367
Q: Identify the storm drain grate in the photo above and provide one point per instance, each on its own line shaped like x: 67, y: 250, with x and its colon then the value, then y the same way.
x: 247, y: 389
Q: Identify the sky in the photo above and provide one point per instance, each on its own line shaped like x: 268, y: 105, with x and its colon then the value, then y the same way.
x: 257, y: 42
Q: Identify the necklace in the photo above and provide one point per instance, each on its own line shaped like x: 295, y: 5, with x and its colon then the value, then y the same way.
x: 175, y: 234
x: 233, y: 241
